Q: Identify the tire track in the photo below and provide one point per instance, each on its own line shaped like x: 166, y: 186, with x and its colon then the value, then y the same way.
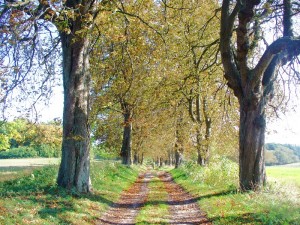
x: 127, y: 208
x: 183, y: 207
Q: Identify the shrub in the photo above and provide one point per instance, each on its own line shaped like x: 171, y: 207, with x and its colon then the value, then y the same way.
x: 220, y: 172
x: 20, y: 152
x: 103, y: 152
x: 43, y: 150
x: 47, y: 151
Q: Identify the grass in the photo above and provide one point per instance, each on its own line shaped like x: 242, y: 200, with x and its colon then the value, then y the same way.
x: 287, y: 175
x: 12, y: 173
x: 218, y: 195
x: 156, y: 208
x: 35, y: 199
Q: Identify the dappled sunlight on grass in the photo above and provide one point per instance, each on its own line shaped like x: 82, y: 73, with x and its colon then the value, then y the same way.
x: 34, y: 198
x: 278, y: 203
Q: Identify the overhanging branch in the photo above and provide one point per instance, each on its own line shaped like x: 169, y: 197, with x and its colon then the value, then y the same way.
x: 285, y: 45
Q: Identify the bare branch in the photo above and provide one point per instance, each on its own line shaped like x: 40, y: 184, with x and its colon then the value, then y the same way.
x: 144, y: 22
x: 285, y: 45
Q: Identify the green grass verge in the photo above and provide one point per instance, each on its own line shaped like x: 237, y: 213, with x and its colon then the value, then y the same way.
x: 35, y: 198
x: 216, y: 188
x: 156, y: 207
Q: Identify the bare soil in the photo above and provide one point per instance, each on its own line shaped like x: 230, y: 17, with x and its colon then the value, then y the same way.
x: 183, y: 207
x: 130, y: 203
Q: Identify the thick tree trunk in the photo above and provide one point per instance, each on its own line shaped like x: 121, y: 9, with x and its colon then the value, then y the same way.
x: 253, y: 87
x: 251, y: 147
x: 126, y: 153
x: 74, y: 169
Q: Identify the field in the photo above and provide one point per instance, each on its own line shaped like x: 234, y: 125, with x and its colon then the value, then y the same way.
x: 288, y: 174
x: 14, y: 168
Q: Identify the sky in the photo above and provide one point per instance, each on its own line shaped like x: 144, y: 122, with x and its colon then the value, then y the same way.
x: 55, y: 107
x: 286, y: 129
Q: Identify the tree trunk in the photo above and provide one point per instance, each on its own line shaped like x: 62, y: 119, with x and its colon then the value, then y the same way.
x: 200, y: 159
x: 179, y: 140
x: 141, y: 159
x: 161, y: 162
x: 74, y: 169
x: 126, y: 153
x: 251, y: 147
x: 170, y: 158
x: 178, y: 158
x: 207, y: 132
x: 135, y: 158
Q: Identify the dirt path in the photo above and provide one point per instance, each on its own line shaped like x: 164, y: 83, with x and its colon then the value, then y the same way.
x: 183, y: 208
x: 130, y: 203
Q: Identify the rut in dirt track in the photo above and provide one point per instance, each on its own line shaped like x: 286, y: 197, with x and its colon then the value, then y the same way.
x: 183, y: 207
x: 130, y: 203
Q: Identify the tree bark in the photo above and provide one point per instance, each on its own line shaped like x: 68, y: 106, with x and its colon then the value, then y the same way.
x: 74, y: 169
x: 126, y: 153
x: 178, y: 143
x: 135, y: 158
x: 142, y: 159
x: 251, y: 144
x: 178, y: 158
x: 170, y: 158
x: 161, y: 162
x: 207, y: 132
x: 200, y: 160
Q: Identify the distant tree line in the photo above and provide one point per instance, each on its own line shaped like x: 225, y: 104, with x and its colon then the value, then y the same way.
x: 22, y: 139
x: 279, y: 154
